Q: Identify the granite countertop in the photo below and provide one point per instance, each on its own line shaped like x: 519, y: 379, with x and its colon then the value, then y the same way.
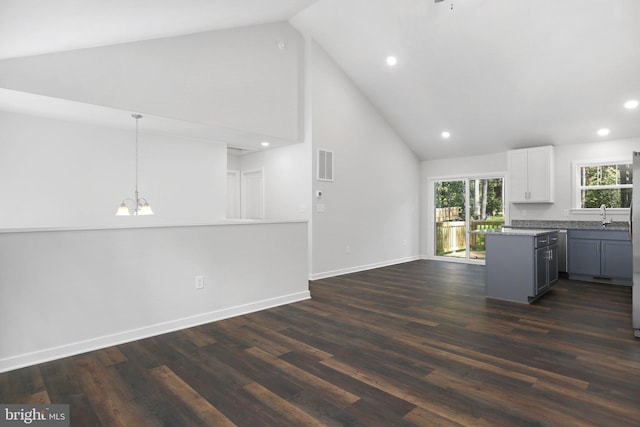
x: 569, y: 225
x: 508, y: 231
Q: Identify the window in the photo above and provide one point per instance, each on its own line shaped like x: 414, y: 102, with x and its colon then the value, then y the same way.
x: 605, y: 183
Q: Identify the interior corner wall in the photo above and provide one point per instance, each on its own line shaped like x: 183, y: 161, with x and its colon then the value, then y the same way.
x: 369, y: 215
x: 55, y: 173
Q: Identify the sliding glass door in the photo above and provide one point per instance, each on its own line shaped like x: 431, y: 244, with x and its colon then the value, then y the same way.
x: 462, y: 206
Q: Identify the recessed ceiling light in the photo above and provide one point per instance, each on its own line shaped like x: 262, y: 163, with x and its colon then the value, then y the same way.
x: 604, y: 132
x: 392, y: 60
x: 446, y: 134
x: 631, y: 104
x: 265, y: 143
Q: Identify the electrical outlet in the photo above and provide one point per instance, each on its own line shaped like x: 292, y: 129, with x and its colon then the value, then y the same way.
x: 347, y: 249
x: 199, y: 282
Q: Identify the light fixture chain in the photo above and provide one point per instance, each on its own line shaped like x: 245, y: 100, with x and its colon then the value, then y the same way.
x: 140, y: 206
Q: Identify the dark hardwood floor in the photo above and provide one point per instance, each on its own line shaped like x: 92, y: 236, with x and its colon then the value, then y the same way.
x: 412, y: 344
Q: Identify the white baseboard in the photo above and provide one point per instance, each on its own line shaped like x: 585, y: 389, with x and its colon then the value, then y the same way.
x: 324, y: 275
x: 46, y: 355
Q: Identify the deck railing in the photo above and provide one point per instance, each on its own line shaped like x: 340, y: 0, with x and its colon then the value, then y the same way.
x: 476, y: 241
x: 451, y: 236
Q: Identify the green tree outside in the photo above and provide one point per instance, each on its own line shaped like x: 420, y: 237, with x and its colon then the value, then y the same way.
x: 606, y: 175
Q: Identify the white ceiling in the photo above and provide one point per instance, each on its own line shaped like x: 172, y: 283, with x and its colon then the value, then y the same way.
x: 497, y: 74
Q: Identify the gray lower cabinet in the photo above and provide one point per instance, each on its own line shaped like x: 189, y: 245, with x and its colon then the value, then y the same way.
x: 546, y: 268
x: 584, y: 257
x: 520, y: 268
x: 616, y: 259
x: 600, y: 256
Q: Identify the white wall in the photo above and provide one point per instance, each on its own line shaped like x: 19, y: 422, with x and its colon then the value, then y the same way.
x: 373, y: 205
x: 234, y: 162
x: 236, y: 78
x: 67, y: 292
x: 61, y: 174
x: 287, y: 180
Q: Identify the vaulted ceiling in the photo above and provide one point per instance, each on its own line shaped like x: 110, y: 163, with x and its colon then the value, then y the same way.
x: 496, y: 74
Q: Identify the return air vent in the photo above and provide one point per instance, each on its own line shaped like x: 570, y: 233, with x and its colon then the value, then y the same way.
x: 325, y: 165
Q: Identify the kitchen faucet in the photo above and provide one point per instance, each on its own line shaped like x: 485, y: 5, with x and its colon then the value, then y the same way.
x: 603, y: 214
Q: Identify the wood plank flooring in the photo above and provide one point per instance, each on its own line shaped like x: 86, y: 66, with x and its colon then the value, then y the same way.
x: 415, y: 344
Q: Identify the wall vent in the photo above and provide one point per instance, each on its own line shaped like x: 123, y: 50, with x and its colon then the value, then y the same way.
x: 325, y: 165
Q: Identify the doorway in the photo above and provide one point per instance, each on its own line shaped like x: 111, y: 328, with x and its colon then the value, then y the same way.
x: 462, y: 206
x: 252, y: 206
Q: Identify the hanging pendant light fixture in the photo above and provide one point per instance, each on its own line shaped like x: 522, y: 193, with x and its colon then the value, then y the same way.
x: 140, y: 205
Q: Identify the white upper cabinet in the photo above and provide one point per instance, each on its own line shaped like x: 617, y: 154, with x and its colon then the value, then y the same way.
x: 531, y: 175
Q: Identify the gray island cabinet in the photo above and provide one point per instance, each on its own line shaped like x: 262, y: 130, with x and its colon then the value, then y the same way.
x: 521, y: 264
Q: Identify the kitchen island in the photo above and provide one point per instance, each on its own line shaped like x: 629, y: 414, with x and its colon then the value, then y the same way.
x: 521, y: 264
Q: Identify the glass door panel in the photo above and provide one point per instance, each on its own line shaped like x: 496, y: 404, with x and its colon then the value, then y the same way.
x: 451, y: 226
x: 486, y: 203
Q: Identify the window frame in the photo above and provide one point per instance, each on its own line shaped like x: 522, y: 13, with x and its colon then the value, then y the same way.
x: 577, y: 187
